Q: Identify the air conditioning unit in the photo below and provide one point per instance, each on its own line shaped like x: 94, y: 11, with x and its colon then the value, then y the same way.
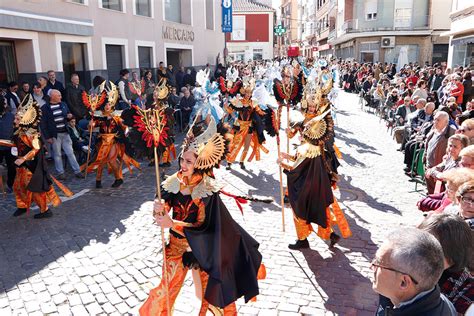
x: 388, y: 42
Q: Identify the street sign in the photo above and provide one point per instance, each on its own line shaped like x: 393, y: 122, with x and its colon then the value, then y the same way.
x: 226, y: 16
x: 279, y: 30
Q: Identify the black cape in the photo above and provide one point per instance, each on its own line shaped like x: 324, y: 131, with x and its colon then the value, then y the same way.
x: 309, y: 190
x: 40, y: 180
x: 227, y: 253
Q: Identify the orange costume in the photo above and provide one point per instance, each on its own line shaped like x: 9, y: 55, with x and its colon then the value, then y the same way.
x: 203, y: 237
x: 32, y: 182
x: 111, y: 146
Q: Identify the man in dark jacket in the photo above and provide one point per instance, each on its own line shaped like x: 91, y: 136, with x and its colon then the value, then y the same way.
x: 53, y: 83
x: 407, y: 268
x: 186, y: 105
x: 6, y: 133
x: 74, y: 98
x: 436, y: 80
x: 53, y: 129
x: 180, y: 78
x: 12, y: 99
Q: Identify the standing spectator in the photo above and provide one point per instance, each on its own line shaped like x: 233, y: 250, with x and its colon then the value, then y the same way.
x: 6, y: 132
x: 25, y: 89
x: 436, y: 80
x: 186, y: 105
x: 124, y: 90
x: 188, y: 78
x: 135, y: 87
x: 436, y: 143
x: 12, y: 98
x: 149, y: 83
x: 407, y: 268
x: 43, y: 82
x: 53, y: 83
x: 38, y: 95
x: 53, y: 128
x: 74, y: 98
x: 161, y: 73
x: 457, y: 90
x: 467, y: 84
x: 170, y: 73
x: 180, y: 78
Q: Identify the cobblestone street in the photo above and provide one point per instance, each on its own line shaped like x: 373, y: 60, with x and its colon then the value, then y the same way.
x: 101, y: 253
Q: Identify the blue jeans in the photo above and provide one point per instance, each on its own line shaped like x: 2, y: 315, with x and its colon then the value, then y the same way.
x: 63, y: 140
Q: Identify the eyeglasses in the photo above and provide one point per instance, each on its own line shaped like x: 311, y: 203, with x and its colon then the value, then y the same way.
x: 376, y: 265
x: 468, y: 201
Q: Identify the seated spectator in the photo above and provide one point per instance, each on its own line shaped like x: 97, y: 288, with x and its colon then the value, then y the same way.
x: 465, y: 199
x: 379, y: 96
x: 407, y: 268
x: 436, y: 143
x: 78, y: 135
x: 457, y: 90
x: 468, y: 114
x: 467, y: 129
x: 451, y: 160
x: 173, y: 98
x: 454, y: 178
x: 421, y: 91
x: 456, y: 239
x: 401, y: 116
x: 186, y: 105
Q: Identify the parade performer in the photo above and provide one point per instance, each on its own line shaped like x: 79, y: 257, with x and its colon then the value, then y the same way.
x: 32, y: 183
x: 111, y: 145
x: 203, y: 236
x: 311, y: 178
x: 249, y: 126
x: 207, y: 96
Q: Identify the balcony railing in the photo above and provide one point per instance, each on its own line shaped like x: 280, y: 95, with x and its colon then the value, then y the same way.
x: 420, y: 22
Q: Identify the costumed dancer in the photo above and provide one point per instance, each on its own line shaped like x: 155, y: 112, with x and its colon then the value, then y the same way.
x: 207, y: 98
x: 229, y: 86
x: 111, y: 145
x: 32, y: 182
x: 249, y: 126
x: 204, y: 237
x: 312, y: 176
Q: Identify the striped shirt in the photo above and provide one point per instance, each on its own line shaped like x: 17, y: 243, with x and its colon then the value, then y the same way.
x: 59, y: 118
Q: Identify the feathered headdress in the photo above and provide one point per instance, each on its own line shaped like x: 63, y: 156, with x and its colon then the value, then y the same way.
x: 208, y: 142
x: 319, y: 129
x: 112, y: 94
x: 29, y: 113
x: 202, y: 77
x: 248, y: 84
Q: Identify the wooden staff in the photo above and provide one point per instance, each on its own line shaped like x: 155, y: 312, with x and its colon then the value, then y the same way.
x: 282, y: 192
x: 163, y: 244
x: 287, y: 126
x: 89, y: 148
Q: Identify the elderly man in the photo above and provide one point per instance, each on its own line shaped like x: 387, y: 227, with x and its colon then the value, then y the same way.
x: 402, y: 115
x: 467, y: 157
x: 53, y: 129
x: 407, y: 268
x: 436, y: 143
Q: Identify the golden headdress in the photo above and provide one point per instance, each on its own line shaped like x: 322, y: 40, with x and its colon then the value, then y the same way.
x: 248, y: 84
x: 207, y: 141
x: 319, y: 129
x: 112, y: 94
x: 161, y: 91
x: 29, y: 112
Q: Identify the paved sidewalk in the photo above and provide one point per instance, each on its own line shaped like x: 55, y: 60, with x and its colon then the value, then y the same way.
x: 101, y: 254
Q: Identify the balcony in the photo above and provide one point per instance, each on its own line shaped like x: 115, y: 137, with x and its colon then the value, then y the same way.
x: 332, y: 35
x: 408, y: 23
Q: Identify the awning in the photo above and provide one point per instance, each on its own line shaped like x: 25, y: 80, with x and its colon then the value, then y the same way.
x: 462, y: 40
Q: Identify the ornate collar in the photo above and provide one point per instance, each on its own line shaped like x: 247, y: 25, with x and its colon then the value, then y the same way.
x: 200, y: 186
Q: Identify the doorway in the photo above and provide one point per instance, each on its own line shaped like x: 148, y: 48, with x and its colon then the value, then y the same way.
x: 74, y: 60
x: 179, y: 57
x: 368, y: 57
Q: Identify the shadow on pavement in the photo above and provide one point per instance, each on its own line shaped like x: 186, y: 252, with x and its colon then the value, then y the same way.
x: 345, y: 185
x: 28, y: 245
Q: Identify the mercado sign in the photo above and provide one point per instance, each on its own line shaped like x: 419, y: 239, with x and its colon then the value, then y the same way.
x: 177, y: 34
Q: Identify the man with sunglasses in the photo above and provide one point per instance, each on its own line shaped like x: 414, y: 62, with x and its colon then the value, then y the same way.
x: 407, y: 267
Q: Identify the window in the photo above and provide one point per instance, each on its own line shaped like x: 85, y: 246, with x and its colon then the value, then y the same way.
x: 143, y: 7
x: 8, y: 65
x: 402, y: 13
x: 173, y: 10
x: 238, y: 28
x: 370, y: 10
x: 210, y: 14
x: 144, y: 57
x: 257, y: 54
x: 78, y: 1
x: 112, y: 4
